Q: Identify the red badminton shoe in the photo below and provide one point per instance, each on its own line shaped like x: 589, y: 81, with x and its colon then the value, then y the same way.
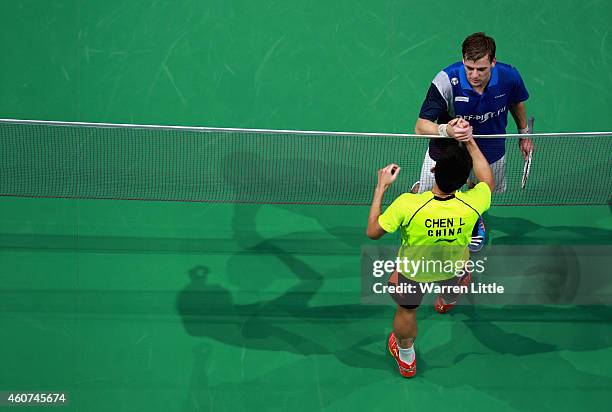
x: 406, y: 370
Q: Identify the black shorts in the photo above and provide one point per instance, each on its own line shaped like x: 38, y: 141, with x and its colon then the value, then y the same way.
x: 413, y: 299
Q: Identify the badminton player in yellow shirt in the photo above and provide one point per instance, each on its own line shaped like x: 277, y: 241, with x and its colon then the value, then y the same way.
x: 439, y: 222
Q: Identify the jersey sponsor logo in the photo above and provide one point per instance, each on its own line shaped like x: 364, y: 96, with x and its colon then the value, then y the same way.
x: 454, y: 81
x: 481, y: 118
x: 462, y: 99
x: 501, y: 95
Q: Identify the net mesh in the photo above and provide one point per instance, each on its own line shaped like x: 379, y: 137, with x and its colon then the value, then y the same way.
x: 215, y: 165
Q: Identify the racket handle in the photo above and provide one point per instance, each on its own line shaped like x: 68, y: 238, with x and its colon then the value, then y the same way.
x: 530, y: 124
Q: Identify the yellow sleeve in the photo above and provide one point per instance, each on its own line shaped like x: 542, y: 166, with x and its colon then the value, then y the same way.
x: 393, y: 217
x: 479, y: 197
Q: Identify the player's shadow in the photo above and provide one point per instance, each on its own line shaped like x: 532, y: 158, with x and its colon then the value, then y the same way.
x: 565, y: 271
x: 478, y: 351
x: 522, y: 231
x: 566, y: 321
x: 239, y: 386
x: 516, y: 334
x: 285, y: 323
x: 548, y: 285
x: 289, y: 322
x: 199, y: 391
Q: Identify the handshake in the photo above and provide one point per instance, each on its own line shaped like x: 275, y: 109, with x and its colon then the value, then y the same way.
x: 458, y: 128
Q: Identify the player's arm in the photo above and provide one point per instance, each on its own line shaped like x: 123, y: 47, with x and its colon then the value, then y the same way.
x: 480, y: 165
x: 424, y: 126
x: 434, y: 108
x: 518, y: 95
x: 386, y: 176
x: 520, y: 118
x: 450, y: 129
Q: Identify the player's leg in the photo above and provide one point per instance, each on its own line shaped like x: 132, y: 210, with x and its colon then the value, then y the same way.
x: 405, y: 325
x: 427, y: 178
x: 479, y: 231
x: 499, y: 174
x: 401, y: 340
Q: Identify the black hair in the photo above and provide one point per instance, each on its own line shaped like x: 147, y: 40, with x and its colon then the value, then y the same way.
x: 453, y: 168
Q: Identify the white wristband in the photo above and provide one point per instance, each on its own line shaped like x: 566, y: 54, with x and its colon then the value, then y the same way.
x: 442, y: 130
x: 524, y: 131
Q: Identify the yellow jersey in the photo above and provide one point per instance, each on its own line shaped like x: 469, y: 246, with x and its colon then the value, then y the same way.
x: 435, y: 229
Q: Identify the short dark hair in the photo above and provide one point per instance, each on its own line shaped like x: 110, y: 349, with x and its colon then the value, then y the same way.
x: 453, y: 168
x: 477, y: 45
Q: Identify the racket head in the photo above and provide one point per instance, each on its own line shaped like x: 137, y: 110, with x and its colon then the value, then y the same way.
x: 527, y: 166
x: 526, y: 169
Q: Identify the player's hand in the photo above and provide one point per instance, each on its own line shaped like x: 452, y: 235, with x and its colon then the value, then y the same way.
x: 460, y: 129
x: 387, y: 175
x: 526, y: 146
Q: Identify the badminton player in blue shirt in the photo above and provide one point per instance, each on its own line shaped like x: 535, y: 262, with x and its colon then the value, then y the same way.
x: 482, y: 91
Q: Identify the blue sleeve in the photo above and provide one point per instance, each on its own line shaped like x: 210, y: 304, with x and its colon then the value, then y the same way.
x: 518, y: 92
x: 434, y: 106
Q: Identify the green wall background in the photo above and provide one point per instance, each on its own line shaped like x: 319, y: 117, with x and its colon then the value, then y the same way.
x: 322, y: 65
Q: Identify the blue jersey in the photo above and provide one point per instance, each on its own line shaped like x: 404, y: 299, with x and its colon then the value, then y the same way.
x: 451, y: 95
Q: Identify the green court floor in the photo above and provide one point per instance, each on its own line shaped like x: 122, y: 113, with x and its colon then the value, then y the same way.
x: 212, y: 307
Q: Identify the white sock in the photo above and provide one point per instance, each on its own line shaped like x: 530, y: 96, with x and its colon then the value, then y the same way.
x: 407, y: 355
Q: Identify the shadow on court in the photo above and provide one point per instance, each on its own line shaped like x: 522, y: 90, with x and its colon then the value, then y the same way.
x: 482, y: 353
x: 289, y: 322
x: 479, y: 356
x: 525, y: 232
x: 200, y: 397
x: 286, y: 323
